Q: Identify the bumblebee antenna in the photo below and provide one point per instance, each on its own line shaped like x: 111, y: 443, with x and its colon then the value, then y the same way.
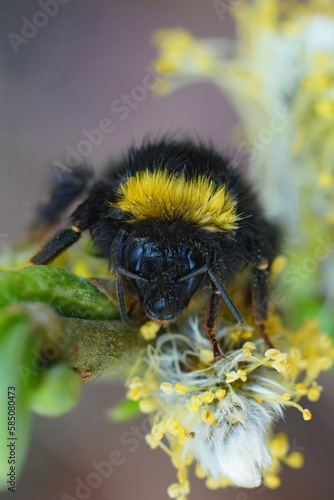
x: 226, y: 297
x: 118, y: 274
x: 120, y: 295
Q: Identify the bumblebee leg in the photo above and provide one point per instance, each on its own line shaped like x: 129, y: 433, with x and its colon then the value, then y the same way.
x: 84, y: 216
x: 211, y: 321
x: 260, y: 295
x: 62, y: 240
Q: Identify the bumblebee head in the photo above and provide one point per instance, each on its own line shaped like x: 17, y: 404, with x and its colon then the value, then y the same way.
x: 164, y: 275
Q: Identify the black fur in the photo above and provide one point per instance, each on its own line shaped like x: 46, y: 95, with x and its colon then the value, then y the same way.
x: 159, y: 253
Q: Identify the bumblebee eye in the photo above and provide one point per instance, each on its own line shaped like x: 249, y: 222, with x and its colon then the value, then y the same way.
x: 195, y: 259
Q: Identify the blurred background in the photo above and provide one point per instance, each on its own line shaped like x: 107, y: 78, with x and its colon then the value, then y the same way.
x: 58, y: 83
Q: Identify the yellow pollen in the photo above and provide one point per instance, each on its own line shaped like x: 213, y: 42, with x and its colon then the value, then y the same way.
x: 149, y: 330
x: 167, y: 196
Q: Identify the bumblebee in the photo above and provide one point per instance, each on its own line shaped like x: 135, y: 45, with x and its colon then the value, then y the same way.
x: 171, y: 217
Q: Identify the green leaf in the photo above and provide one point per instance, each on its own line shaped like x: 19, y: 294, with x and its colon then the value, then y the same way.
x: 18, y: 357
x: 125, y: 410
x: 57, y: 392
x: 69, y: 294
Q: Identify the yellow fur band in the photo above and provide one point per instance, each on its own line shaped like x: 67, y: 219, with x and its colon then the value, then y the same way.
x: 167, y: 196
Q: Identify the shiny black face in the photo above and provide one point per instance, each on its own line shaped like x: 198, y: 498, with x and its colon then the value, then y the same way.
x: 164, y: 286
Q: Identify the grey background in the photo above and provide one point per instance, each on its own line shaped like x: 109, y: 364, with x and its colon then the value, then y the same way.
x: 61, y: 82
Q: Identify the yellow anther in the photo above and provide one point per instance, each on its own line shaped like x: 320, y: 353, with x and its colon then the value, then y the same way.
x: 286, y: 396
x: 279, y: 446
x: 243, y: 375
x: 301, y: 389
x: 212, y: 484
x: 246, y: 336
x: 207, y: 417
x: 147, y: 405
x: 280, y: 363
x: 135, y: 394
x: 177, y: 490
x: 272, y: 353
x: 231, y: 377
x: 175, y: 427
x: 224, y: 482
x: 208, y: 396
x: 197, y: 400
x: 271, y: 481
x: 295, y: 460
x: 193, y: 407
x: 199, y: 472
x: 180, y: 389
x: 307, y: 415
x: 153, y: 441
x: 206, y: 355
x: 167, y: 388
x: 278, y: 265
x: 221, y: 393
x: 258, y: 400
x: 313, y: 394
x: 249, y: 345
x: 325, y: 180
x: 325, y: 109
x: 135, y: 382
